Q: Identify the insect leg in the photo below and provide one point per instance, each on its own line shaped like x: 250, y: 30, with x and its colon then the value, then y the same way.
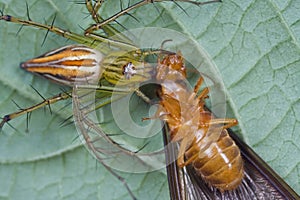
x: 109, y: 30
x: 81, y: 118
x: 136, y: 5
x: 90, y: 40
x: 45, y: 102
x: 142, y: 95
x: 227, y: 122
x: 198, y: 84
x: 93, y: 9
x: 99, y: 25
x: 73, y: 36
x: 189, y: 161
x: 204, y: 92
x: 183, y: 146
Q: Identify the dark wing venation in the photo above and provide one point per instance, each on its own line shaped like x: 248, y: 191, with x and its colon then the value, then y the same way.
x: 266, y: 183
x: 260, y: 181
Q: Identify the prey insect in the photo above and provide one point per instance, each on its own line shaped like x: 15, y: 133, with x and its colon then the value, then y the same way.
x: 97, y: 61
x: 212, y: 162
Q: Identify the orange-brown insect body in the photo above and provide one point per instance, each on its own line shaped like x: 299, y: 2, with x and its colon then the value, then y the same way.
x: 204, y: 140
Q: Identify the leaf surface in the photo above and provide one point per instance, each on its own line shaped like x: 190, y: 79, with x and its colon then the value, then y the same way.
x: 255, y: 45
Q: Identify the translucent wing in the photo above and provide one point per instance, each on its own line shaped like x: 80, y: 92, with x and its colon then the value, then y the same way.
x: 260, y: 181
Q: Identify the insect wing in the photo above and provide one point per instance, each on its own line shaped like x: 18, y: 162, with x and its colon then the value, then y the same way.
x: 269, y: 184
x: 260, y: 181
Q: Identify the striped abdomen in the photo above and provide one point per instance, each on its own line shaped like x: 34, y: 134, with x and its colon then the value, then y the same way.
x: 79, y: 64
x: 204, y: 140
x: 67, y: 65
x: 221, y: 164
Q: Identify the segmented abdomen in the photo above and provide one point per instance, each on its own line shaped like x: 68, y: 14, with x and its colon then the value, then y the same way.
x: 220, y: 165
x: 204, y: 141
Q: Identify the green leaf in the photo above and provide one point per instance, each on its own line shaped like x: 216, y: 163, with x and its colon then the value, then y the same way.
x: 255, y: 45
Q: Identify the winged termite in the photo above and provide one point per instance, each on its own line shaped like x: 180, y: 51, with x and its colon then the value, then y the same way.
x: 118, y: 60
x: 217, y: 164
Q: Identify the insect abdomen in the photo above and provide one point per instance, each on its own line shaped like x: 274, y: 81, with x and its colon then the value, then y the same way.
x: 221, y: 164
x: 204, y: 140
